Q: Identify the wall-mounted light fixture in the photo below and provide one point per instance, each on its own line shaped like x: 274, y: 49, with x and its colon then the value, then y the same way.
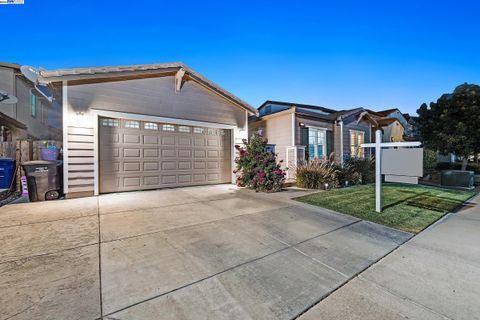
x: 301, y: 124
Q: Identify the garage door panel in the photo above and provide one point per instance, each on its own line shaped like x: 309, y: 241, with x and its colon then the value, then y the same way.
x: 131, y: 166
x: 138, y: 158
x: 168, y: 141
x: 200, y: 165
x: 213, y: 153
x: 199, y: 153
x: 184, y: 178
x: 184, y: 153
x: 151, y: 181
x: 150, y: 153
x: 131, y: 153
x: 213, y: 177
x: 149, y: 139
x: 184, y: 141
x: 212, y: 142
x: 199, y: 178
x: 169, y: 153
x: 131, y: 138
x: 184, y: 165
x: 169, y: 165
x: 213, y: 165
x: 200, y: 142
x: 109, y: 167
x: 169, y: 179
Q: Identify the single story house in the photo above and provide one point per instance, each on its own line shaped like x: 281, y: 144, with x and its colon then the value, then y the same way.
x: 300, y: 131
x: 149, y: 126
x: 34, y: 116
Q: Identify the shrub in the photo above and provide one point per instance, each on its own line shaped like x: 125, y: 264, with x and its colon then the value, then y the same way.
x: 257, y: 168
x: 429, y: 161
x: 318, y: 174
x: 359, y: 170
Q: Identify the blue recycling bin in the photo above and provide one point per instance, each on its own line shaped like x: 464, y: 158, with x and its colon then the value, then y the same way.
x: 7, y: 171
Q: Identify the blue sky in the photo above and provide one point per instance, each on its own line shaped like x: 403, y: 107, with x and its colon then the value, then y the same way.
x: 376, y: 54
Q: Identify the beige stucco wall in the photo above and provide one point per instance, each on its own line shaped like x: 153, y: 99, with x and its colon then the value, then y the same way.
x: 278, y: 131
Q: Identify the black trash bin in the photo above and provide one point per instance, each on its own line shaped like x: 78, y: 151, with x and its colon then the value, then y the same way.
x: 44, y: 179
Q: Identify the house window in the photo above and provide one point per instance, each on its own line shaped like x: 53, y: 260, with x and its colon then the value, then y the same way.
x: 198, y: 130
x: 33, y: 107
x: 110, y: 122
x: 356, y: 139
x: 168, y: 127
x: 150, y: 126
x: 132, y: 124
x: 183, y: 129
x: 317, y: 143
x: 268, y: 109
x: 222, y: 132
x: 270, y: 148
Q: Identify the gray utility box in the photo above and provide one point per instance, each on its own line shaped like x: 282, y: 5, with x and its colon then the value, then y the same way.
x: 44, y: 179
x: 457, y: 178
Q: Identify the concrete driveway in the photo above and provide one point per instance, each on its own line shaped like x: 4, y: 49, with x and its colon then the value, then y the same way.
x: 212, y: 252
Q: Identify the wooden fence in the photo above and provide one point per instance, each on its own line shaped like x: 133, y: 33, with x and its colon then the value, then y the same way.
x: 22, y: 151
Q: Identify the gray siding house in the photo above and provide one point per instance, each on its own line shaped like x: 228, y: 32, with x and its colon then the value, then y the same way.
x: 299, y: 131
x: 145, y: 127
x: 33, y: 116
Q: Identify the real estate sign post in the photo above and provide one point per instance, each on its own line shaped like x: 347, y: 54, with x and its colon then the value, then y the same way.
x: 399, y: 165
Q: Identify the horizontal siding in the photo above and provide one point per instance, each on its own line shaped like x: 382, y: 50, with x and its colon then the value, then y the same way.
x: 80, y: 167
x: 73, y: 189
x: 80, y: 138
x: 80, y: 174
x: 80, y: 159
x: 80, y: 145
x: 84, y: 181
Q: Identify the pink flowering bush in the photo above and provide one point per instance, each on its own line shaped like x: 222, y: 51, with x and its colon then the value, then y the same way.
x: 257, y: 168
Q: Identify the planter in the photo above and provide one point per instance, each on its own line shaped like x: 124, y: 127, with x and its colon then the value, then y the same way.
x: 49, y: 154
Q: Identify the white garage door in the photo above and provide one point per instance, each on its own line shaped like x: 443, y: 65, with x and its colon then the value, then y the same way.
x: 138, y: 155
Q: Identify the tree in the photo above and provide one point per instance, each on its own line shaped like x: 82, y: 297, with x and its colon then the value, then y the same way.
x: 452, y: 124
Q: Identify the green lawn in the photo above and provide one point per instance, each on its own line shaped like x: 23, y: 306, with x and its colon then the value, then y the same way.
x: 406, y: 207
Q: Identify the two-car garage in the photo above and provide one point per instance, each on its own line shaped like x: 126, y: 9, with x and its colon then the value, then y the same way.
x: 142, y: 127
x: 139, y: 155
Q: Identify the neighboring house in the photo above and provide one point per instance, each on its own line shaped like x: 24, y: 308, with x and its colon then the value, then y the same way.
x: 393, y: 123
x: 33, y: 116
x: 145, y: 127
x: 299, y: 131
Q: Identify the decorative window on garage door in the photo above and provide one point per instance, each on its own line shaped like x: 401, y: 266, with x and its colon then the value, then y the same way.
x: 110, y: 122
x: 184, y: 129
x: 198, y: 130
x: 150, y: 126
x: 130, y: 124
x: 168, y: 127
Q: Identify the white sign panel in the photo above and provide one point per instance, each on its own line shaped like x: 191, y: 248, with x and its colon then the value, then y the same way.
x: 403, y: 165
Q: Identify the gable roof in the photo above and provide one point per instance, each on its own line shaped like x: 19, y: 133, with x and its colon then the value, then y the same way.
x: 157, y: 69
x: 384, y: 113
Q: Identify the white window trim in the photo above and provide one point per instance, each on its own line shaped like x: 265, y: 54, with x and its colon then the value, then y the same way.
x: 350, y: 131
x: 325, y: 135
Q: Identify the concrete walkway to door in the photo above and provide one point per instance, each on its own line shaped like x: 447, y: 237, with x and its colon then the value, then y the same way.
x: 212, y: 252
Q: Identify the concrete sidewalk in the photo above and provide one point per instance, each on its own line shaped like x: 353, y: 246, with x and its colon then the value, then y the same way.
x: 436, y: 275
